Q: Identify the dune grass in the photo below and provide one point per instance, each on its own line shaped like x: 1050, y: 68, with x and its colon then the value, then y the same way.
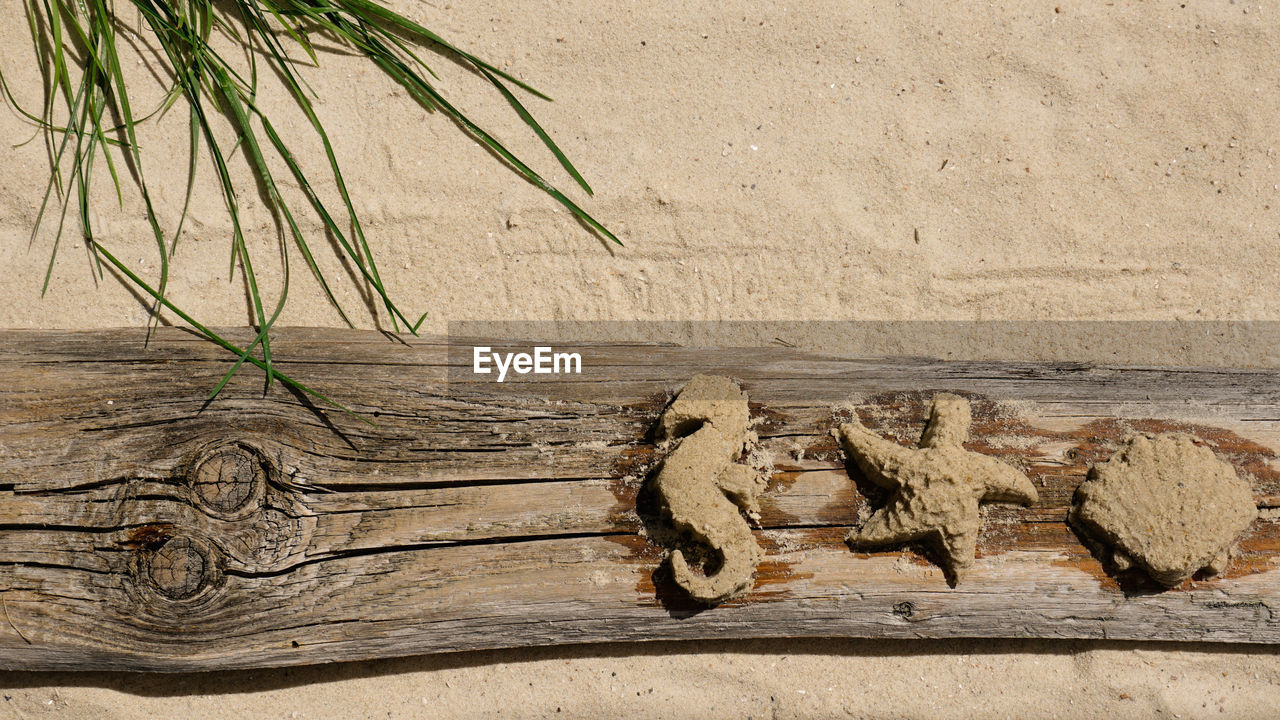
x: 76, y: 43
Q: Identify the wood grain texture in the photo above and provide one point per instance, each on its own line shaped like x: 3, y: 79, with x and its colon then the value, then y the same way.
x: 141, y: 529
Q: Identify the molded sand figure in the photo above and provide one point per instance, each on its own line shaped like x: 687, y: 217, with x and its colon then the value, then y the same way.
x: 700, y: 488
x: 1167, y: 504
x: 937, y: 487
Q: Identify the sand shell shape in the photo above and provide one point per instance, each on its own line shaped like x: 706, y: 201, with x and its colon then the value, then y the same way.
x: 1168, y: 505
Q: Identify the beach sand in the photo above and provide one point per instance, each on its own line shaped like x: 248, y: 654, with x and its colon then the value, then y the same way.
x: 782, y: 161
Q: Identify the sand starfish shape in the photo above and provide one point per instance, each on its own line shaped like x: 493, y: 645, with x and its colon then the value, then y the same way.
x: 937, y: 487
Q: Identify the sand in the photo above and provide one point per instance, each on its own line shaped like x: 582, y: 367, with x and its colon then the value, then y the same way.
x: 781, y: 161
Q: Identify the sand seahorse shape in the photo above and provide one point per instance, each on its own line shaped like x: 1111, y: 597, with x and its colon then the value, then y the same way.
x: 700, y: 487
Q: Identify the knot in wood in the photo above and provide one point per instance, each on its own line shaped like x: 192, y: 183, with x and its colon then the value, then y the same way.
x: 228, y: 479
x: 180, y: 568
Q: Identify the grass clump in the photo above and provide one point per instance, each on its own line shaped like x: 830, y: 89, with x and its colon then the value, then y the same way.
x: 76, y: 44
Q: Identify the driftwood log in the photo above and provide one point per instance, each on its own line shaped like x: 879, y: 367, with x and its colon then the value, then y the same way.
x: 141, y: 528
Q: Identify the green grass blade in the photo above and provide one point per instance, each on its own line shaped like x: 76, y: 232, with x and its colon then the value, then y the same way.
x: 222, y: 342
x: 77, y: 50
x: 542, y: 134
x: 262, y: 332
x: 365, y: 8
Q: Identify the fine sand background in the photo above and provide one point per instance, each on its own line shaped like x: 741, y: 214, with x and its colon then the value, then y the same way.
x: 782, y: 161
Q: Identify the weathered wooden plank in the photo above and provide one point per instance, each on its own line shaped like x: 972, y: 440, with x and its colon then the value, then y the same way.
x: 479, y: 515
